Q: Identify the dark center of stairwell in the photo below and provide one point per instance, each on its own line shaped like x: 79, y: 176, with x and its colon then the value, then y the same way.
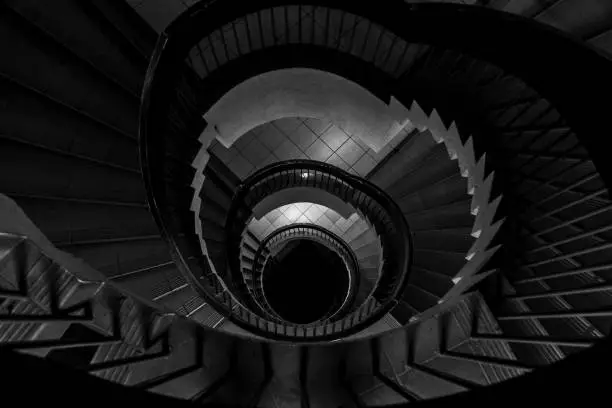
x: 305, y: 282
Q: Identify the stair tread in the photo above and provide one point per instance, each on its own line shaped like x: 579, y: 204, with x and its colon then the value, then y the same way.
x: 448, y: 263
x: 371, y: 261
x: 455, y: 215
x: 458, y: 240
x: 419, y: 298
x: 409, y: 155
x: 75, y: 28
x: 224, y: 173
x: 437, y: 166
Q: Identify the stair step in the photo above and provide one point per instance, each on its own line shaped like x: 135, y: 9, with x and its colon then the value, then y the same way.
x: 66, y: 77
x: 114, y: 258
x: 489, y: 360
x: 450, y: 190
x: 407, y: 158
x: 369, y: 273
x: 73, y: 132
x: 448, y: 263
x: 372, y: 261
x: 419, y: 298
x: 65, y: 176
x: 213, y: 192
x: 206, y: 315
x: 183, y: 300
x: 403, y: 312
x: 212, y: 231
x: 452, y: 240
x: 154, y: 283
x: 224, y: 173
x: 251, y: 239
x: 455, y: 215
x: 368, y: 250
x: 355, y: 230
x: 248, y: 249
x: 87, y: 221
x: 367, y: 237
x: 246, y: 260
x: 129, y: 25
x: 365, y: 288
x: 220, y: 180
x: 8, y: 243
x: 434, y: 283
x: 434, y: 168
x: 77, y: 30
x: 18, y: 255
x: 212, y: 210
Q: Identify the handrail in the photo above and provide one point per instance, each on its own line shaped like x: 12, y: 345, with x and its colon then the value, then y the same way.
x: 302, y: 231
x: 374, y: 203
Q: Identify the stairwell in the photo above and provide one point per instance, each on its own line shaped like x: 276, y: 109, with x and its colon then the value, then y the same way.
x: 88, y: 281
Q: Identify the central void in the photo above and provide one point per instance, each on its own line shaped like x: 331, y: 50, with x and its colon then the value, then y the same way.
x: 305, y: 282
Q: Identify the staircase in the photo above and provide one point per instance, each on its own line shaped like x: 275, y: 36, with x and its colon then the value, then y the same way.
x: 485, y: 301
x: 433, y: 195
x: 69, y: 128
x: 112, y: 333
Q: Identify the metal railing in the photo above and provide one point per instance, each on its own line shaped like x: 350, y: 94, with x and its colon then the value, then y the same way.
x: 230, y: 295
x: 301, y: 232
x: 381, y: 211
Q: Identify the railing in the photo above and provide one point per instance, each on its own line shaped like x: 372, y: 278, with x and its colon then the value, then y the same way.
x: 368, y: 199
x: 309, y: 232
x: 233, y: 299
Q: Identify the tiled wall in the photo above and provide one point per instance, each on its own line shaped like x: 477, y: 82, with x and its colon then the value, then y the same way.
x: 302, y: 213
x: 299, y: 138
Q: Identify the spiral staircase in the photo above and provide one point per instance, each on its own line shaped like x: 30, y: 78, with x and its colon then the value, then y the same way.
x: 480, y: 262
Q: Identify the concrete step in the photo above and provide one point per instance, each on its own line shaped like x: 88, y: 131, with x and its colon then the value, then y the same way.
x: 366, y: 238
x: 435, y: 167
x: 368, y: 250
x: 129, y: 26
x: 46, y: 173
x: 453, y: 240
x: 223, y: 172
x: 419, y: 298
x: 75, y: 221
x: 80, y: 29
x: 372, y: 261
x: 435, y: 283
x: 73, y: 131
x: 154, y: 283
x: 455, y: 215
x: 450, y: 190
x: 448, y: 263
x: 214, y: 192
x: 120, y: 257
x: 65, y: 77
x: 407, y: 158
